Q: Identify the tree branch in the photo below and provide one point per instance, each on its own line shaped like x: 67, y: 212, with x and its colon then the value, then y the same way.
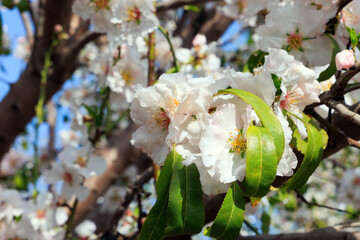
x: 343, y: 111
x: 130, y: 195
x: 302, y: 198
x: 319, y: 234
x: 18, y: 105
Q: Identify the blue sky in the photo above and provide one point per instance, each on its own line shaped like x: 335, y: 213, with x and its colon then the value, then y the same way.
x: 13, y: 66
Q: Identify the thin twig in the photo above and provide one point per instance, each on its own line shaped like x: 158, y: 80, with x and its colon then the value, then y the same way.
x: 86, y: 38
x: 130, y: 195
x: 336, y: 163
x: 151, y: 59
x: 251, y: 227
x: 352, y: 88
x: 139, y: 222
x: 302, y: 198
x: 338, y: 87
x: 71, y: 219
x: 166, y: 34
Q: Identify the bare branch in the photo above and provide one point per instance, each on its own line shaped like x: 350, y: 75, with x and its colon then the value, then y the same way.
x: 338, y: 87
x: 344, y: 111
x: 330, y: 127
x: 319, y: 234
x: 131, y: 194
x: 27, y: 25
x: 343, y: 3
x: 302, y: 198
x: 352, y: 88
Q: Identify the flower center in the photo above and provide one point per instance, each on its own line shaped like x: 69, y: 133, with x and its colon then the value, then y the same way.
x: 68, y: 178
x: 294, y: 40
x: 161, y: 119
x: 101, y: 4
x: 356, y: 181
x: 292, y: 99
x: 237, y: 142
x: 40, y: 214
x: 128, y: 78
x: 134, y: 14
x: 81, y: 161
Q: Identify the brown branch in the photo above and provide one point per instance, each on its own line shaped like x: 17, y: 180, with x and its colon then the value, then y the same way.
x: 330, y: 127
x: 343, y: 3
x: 27, y: 25
x: 319, y: 234
x: 151, y: 59
x: 130, y: 196
x: 18, y: 105
x: 302, y: 198
x: 343, y: 111
x: 124, y: 155
x: 338, y: 87
x: 352, y: 88
x: 161, y: 7
x: 51, y: 120
x: 215, y: 27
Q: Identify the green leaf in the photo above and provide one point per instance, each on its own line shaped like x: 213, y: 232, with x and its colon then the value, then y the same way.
x: 353, y: 36
x: 266, y: 115
x: 255, y: 60
x: 154, y: 225
x: 185, y: 212
x: 261, y: 162
x: 8, y: 3
x: 297, y: 142
x: 23, y: 6
x: 230, y: 217
x: 290, y: 202
x: 331, y: 70
x: 192, y: 8
x: 277, y: 84
x: 265, y: 223
x: 311, y: 160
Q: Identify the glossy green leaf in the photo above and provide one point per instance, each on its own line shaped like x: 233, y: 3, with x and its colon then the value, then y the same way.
x: 311, y: 160
x: 266, y: 115
x: 353, y: 36
x: 331, y: 70
x: 261, y: 162
x: 155, y: 223
x: 277, y: 84
x: 230, y: 217
x: 265, y: 223
x: 255, y: 60
x: 185, y: 212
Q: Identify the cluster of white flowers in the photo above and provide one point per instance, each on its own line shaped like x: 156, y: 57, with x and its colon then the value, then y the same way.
x: 183, y: 109
x: 123, y: 21
x: 36, y: 218
x: 75, y: 164
x: 211, y: 132
x: 11, y: 162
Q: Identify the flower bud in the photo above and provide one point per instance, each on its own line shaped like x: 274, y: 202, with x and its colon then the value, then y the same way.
x: 58, y: 28
x: 344, y: 59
